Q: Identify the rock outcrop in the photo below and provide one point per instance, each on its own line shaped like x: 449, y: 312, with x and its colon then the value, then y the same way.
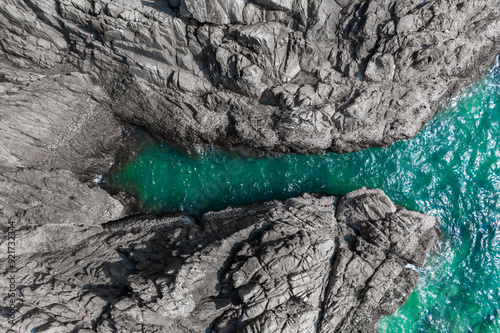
x: 309, y: 264
x: 282, y: 76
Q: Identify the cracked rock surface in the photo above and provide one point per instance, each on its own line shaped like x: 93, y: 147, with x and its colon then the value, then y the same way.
x: 278, y: 75
x: 309, y: 264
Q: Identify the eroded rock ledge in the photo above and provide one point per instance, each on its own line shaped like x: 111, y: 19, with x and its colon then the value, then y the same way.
x: 309, y: 264
x: 302, y: 75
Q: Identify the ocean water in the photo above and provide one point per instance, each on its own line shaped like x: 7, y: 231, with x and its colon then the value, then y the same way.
x: 451, y: 169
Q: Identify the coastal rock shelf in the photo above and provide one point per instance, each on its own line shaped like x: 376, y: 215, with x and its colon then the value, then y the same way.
x: 285, y: 76
x: 309, y: 264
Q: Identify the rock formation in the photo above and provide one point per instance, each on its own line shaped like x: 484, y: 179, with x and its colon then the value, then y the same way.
x: 280, y: 76
x: 309, y: 264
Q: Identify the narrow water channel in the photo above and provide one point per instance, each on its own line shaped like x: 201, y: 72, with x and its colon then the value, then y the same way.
x: 451, y: 169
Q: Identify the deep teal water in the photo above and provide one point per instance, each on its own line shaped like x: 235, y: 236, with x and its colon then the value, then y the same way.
x: 451, y: 169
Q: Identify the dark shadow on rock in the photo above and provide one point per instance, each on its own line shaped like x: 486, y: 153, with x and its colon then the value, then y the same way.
x: 163, y: 6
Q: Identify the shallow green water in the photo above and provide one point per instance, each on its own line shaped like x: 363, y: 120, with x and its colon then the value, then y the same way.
x: 451, y: 169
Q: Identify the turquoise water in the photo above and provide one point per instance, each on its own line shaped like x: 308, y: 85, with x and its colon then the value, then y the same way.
x: 451, y: 169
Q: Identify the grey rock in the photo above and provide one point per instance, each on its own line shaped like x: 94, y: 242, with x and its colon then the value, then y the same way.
x: 58, y: 120
x: 56, y: 131
x: 277, y: 75
x: 307, y: 264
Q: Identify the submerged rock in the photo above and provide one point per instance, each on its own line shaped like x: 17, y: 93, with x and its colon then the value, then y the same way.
x: 307, y: 264
x: 281, y: 76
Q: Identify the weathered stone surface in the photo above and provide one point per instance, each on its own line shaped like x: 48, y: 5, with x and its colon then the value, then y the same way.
x: 56, y: 130
x: 57, y: 120
x: 270, y: 267
x: 277, y: 75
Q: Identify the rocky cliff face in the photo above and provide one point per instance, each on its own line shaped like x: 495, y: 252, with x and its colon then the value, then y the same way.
x: 309, y: 264
x: 301, y: 75
x: 274, y: 75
